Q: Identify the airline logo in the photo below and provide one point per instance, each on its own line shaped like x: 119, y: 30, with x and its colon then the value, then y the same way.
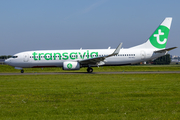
x: 159, y: 38
x: 69, y: 65
x: 64, y: 56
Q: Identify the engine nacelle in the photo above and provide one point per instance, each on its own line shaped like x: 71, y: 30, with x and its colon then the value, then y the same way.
x: 71, y: 66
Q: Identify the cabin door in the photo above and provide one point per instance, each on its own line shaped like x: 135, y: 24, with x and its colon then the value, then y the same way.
x: 26, y: 57
x: 143, y: 55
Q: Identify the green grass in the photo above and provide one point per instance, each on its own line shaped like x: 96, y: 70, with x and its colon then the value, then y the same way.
x: 90, y: 96
x: 6, y: 69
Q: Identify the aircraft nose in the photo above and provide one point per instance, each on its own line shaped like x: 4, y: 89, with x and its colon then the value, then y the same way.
x: 8, y: 61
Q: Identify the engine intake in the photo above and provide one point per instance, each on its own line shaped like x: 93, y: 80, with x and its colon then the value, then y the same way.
x: 71, y: 66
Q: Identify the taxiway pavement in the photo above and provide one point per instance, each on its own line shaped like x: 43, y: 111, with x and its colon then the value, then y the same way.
x: 66, y: 73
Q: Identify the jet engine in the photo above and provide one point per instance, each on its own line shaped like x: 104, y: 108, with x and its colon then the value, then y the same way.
x: 71, y: 66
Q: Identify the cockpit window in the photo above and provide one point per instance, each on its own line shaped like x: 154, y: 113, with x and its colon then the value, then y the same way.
x: 14, y: 56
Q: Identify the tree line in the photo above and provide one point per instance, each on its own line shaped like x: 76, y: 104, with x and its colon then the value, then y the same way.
x: 164, y: 60
x: 5, y: 56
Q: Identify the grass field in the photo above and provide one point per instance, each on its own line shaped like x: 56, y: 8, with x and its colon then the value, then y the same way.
x: 6, y: 69
x: 86, y: 96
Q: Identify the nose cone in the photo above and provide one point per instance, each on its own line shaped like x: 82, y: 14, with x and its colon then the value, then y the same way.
x: 8, y: 61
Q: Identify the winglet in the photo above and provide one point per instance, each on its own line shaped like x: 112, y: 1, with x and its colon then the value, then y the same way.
x: 117, y: 49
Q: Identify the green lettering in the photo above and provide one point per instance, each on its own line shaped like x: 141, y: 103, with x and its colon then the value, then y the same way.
x: 34, y: 56
x: 87, y: 53
x: 50, y: 54
x: 82, y: 56
x: 65, y: 56
x: 73, y: 53
x: 40, y: 55
x: 58, y: 55
x: 94, y: 53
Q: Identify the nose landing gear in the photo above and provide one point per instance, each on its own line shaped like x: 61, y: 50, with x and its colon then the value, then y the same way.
x: 22, y: 71
x: 89, y: 70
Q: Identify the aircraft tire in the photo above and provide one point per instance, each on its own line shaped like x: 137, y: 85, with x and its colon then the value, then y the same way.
x: 89, y: 70
x: 22, y: 71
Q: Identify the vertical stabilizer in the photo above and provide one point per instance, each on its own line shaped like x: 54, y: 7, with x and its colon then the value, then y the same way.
x: 159, y: 38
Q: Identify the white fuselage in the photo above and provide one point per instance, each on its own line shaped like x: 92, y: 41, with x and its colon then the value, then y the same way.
x: 153, y: 48
x: 55, y: 58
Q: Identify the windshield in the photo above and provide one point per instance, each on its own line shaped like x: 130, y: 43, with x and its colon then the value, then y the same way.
x: 14, y: 56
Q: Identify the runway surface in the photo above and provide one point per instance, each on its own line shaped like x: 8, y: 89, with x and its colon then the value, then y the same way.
x: 66, y: 73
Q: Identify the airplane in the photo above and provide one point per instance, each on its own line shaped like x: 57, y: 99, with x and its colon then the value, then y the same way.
x: 153, y: 48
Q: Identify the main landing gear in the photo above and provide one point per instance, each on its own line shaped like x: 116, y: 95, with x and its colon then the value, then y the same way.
x: 22, y: 71
x: 89, y: 70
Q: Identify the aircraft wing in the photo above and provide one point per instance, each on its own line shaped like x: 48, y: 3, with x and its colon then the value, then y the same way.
x: 98, y: 60
x: 164, y: 50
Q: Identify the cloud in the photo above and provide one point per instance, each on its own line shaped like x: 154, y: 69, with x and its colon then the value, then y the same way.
x: 86, y: 10
x: 93, y: 6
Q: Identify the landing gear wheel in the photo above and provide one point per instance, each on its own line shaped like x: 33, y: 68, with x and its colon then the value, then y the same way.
x: 89, y: 70
x: 22, y: 71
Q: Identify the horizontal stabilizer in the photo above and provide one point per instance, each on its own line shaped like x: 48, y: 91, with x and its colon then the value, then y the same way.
x: 165, y: 50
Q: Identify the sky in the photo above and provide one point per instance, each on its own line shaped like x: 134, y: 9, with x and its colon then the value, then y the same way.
x: 89, y: 24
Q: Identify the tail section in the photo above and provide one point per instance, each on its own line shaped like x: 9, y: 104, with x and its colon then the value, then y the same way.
x: 159, y: 38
